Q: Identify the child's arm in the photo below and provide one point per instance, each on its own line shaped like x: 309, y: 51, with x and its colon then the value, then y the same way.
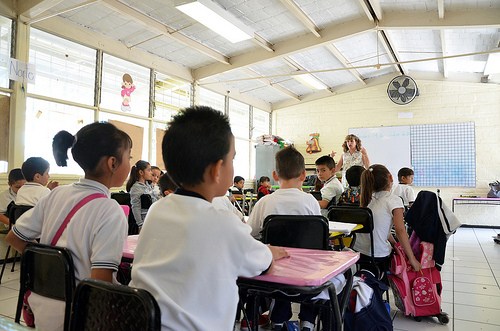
x: 16, y: 242
x: 339, y: 164
x: 102, y: 274
x: 397, y: 217
x: 4, y: 219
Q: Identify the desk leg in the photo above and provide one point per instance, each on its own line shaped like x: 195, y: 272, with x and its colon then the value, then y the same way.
x: 335, y: 319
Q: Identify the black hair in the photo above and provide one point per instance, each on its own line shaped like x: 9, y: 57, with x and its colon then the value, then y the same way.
x: 263, y: 179
x: 15, y: 175
x: 196, y: 137
x: 353, y: 175
x: 238, y: 179
x: 166, y: 183
x: 404, y: 172
x: 326, y: 160
x: 134, y: 173
x: 157, y: 168
x: 289, y: 163
x: 90, y: 144
x: 373, y: 179
x: 33, y: 166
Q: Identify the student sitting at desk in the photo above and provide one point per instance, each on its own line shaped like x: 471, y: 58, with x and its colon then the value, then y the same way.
x: 96, y: 232
x: 332, y: 188
x: 289, y: 199
x: 15, y: 181
x: 264, y: 187
x: 237, y: 188
x: 189, y: 254
x: 36, y: 173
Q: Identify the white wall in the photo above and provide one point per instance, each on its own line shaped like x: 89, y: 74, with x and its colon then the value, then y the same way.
x: 438, y: 102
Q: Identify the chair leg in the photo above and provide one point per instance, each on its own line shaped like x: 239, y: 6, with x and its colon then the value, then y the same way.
x: 14, y: 263
x: 4, y: 263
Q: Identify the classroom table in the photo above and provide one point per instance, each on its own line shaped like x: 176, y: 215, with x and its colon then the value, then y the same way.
x: 341, y: 235
x: 477, y: 211
x: 8, y: 324
x: 247, y: 200
x: 302, y: 276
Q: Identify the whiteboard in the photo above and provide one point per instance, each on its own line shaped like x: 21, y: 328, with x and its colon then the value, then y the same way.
x: 387, y: 145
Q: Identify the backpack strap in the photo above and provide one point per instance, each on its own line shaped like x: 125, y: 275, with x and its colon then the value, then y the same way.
x: 73, y: 211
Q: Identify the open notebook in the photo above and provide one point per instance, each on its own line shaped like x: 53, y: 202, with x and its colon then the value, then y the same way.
x: 341, y: 227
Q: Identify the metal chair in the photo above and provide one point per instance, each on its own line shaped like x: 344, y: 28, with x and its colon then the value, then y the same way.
x: 123, y: 198
x: 99, y: 305
x: 47, y: 271
x: 15, y: 212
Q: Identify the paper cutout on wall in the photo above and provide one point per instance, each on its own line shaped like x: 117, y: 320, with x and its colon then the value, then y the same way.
x: 127, y: 88
x: 313, y: 143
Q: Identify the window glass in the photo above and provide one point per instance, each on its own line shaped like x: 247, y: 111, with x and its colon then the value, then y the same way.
x: 242, y: 159
x: 5, y: 44
x: 170, y: 96
x: 211, y: 99
x: 125, y: 86
x: 239, y: 118
x: 260, y: 123
x: 64, y: 70
x: 43, y: 120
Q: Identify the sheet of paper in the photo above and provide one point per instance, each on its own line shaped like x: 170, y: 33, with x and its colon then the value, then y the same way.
x: 341, y: 227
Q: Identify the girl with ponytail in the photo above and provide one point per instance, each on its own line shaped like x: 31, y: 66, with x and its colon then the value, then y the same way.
x: 139, y: 184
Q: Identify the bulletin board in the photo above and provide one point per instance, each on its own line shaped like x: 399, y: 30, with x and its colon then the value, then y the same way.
x: 136, y: 133
x: 441, y: 155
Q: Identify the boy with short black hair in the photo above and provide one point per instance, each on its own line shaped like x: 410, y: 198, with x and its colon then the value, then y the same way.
x: 16, y: 181
x: 351, y: 193
x: 332, y: 188
x: 189, y: 254
x: 404, y: 189
x: 289, y: 199
x: 36, y: 173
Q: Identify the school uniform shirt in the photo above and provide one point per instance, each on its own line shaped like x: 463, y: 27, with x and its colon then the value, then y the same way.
x: 6, y: 197
x: 284, y: 201
x: 95, y: 236
x: 332, y: 189
x: 381, y: 205
x: 405, y: 192
x: 136, y: 191
x: 189, y: 256
x: 30, y: 193
x: 223, y: 203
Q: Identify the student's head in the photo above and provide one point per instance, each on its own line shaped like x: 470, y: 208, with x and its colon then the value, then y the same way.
x: 290, y: 164
x: 16, y: 179
x: 374, y: 179
x: 156, y: 173
x: 36, y: 169
x: 167, y: 185
x: 351, y: 140
x: 100, y: 149
x: 239, y: 182
x: 405, y: 176
x: 140, y: 172
x: 265, y: 181
x: 325, y: 167
x: 353, y: 175
x: 198, y: 149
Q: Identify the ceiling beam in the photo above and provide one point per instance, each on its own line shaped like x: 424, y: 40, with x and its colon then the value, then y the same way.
x: 276, y: 86
x: 290, y: 46
x: 344, y: 62
x: 235, y: 94
x: 49, y: 15
x: 368, y: 14
x: 32, y: 8
x: 262, y: 42
x: 391, y: 51
x: 154, y: 25
x: 443, y: 50
x: 301, y: 16
x: 60, y: 27
x: 440, y: 9
x: 294, y: 64
x: 377, y: 9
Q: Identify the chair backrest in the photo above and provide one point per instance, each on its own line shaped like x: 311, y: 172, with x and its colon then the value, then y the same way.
x: 301, y: 231
x: 353, y: 214
x: 123, y: 198
x: 16, y: 211
x: 146, y: 201
x: 47, y: 271
x: 99, y: 305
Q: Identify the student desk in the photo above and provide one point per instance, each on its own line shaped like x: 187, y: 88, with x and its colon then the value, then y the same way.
x: 477, y: 211
x: 341, y: 235
x: 7, y: 324
x: 247, y: 201
x: 302, y: 276
x: 129, y: 248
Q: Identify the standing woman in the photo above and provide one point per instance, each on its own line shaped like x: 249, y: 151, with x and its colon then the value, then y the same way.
x: 354, y: 154
x: 96, y: 232
x: 139, y: 183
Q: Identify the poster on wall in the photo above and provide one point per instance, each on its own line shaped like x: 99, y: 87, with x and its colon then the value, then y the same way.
x: 136, y: 133
x: 127, y: 88
x: 313, y: 143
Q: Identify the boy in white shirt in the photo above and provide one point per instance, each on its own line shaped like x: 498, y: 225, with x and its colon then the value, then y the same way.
x: 16, y: 180
x: 189, y: 254
x: 36, y: 173
x: 404, y: 189
x: 332, y: 188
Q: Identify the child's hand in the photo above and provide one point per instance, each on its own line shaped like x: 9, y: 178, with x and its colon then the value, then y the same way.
x: 415, y: 265
x: 52, y: 185
x: 332, y: 154
x: 278, y: 252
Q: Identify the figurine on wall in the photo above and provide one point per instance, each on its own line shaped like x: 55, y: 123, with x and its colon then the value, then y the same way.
x: 313, y: 143
x: 127, y: 88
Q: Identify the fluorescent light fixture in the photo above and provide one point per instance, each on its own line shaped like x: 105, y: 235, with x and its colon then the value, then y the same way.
x: 493, y: 63
x: 311, y: 81
x: 214, y: 17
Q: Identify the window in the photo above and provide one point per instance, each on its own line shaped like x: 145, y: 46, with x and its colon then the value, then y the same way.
x: 5, y: 44
x: 43, y: 120
x: 64, y: 70
x: 170, y: 96
x: 239, y: 116
x: 260, y: 123
x: 211, y: 99
x: 125, y: 86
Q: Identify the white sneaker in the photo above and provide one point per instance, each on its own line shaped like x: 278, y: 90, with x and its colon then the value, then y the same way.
x: 306, y: 326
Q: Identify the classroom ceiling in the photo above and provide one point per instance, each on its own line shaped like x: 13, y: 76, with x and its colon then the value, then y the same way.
x: 346, y: 44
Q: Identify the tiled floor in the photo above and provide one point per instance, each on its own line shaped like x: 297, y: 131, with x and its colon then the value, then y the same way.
x: 471, y: 291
